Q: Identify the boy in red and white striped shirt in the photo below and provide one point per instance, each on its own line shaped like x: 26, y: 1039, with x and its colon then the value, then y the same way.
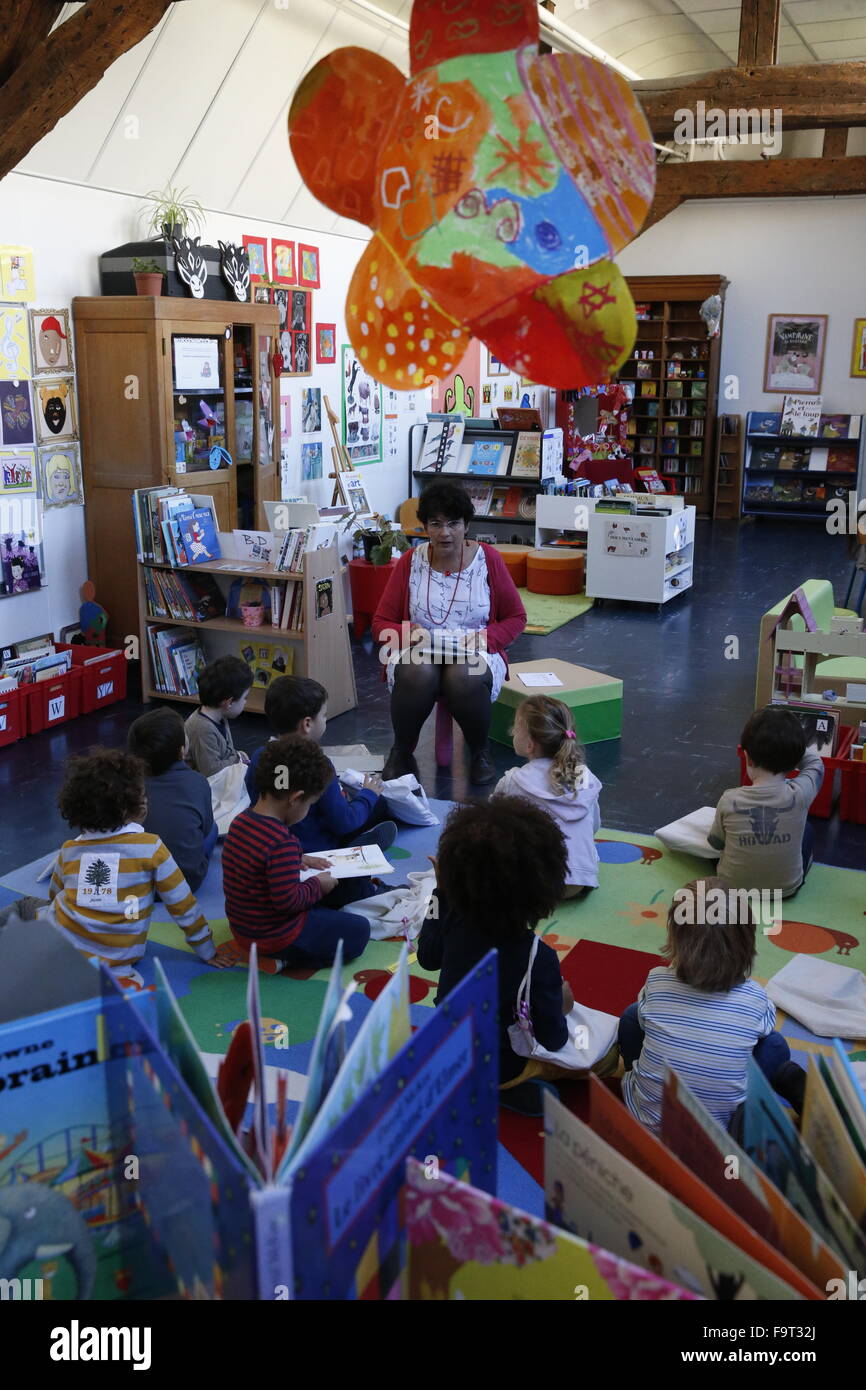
x: 266, y: 902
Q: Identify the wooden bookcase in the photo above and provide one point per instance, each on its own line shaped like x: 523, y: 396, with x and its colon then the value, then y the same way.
x: 129, y: 408
x: 729, y: 468
x: 674, y: 326
x: 321, y: 648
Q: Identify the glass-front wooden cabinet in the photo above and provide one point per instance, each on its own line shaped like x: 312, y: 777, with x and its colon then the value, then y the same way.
x: 176, y: 392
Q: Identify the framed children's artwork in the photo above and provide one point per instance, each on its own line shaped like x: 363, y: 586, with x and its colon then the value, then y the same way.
x: 495, y: 367
x: 795, y: 353
x: 257, y: 248
x: 60, y: 476
x: 301, y: 364
x: 300, y: 311
x: 326, y: 342
x: 262, y: 294
x: 15, y: 364
x: 308, y: 266
x: 54, y: 407
x: 356, y: 495
x: 362, y: 411
x: 52, y: 346
x: 281, y: 299
x: 17, y: 471
x: 311, y: 462
x: 858, y: 349
x: 16, y: 413
x: 283, y: 262
x: 311, y: 410
x: 17, y: 277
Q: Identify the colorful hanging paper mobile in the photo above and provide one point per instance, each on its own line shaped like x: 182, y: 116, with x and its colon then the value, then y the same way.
x: 499, y: 183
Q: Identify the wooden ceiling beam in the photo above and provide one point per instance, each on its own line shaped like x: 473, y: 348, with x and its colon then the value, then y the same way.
x: 835, y: 143
x: 25, y: 23
x: 759, y: 32
x: 62, y: 67
x: 809, y: 95
x: 759, y: 178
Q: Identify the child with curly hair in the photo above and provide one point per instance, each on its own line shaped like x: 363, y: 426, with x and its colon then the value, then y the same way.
x: 106, y: 881
x: 556, y: 778
x: 500, y: 870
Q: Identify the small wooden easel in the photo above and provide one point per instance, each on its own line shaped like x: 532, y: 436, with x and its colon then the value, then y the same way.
x: 342, y: 462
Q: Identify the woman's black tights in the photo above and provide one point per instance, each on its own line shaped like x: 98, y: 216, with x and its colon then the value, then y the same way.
x: 418, y: 686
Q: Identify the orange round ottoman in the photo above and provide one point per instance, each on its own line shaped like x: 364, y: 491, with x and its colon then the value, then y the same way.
x: 515, y: 561
x: 552, y: 572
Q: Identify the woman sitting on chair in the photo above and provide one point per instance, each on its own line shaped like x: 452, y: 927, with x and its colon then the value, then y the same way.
x: 445, y: 620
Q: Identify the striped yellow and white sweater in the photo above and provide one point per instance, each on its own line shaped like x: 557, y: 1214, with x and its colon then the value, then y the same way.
x: 103, y: 891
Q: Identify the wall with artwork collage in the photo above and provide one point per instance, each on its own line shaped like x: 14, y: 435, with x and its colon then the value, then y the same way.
x: 783, y: 257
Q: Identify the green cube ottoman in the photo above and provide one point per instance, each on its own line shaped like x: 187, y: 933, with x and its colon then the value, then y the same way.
x: 595, y: 700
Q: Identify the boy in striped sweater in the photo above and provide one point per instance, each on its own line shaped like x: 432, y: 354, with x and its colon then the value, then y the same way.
x: 266, y: 902
x: 106, y: 881
x: 702, y: 1015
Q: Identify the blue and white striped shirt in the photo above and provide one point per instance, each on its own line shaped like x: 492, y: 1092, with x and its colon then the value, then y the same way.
x: 707, y: 1039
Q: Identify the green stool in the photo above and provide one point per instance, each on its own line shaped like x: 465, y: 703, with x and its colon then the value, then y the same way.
x: 595, y: 700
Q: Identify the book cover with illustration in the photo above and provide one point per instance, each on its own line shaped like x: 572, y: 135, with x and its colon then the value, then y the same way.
x: 708, y: 1151
x: 606, y: 1198
x: 764, y: 458
x: 763, y: 422
x: 801, y: 416
x: 841, y: 460
x: 465, y: 1244
x: 198, y: 536
x: 824, y: 1129
x: 487, y: 456
x: 526, y: 462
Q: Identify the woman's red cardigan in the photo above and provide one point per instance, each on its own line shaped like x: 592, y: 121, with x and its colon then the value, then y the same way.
x: 507, y: 614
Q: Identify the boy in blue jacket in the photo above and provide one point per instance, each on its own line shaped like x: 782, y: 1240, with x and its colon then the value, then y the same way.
x: 299, y: 705
x: 179, y: 804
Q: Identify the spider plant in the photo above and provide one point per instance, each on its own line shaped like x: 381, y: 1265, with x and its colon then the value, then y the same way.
x: 170, y: 209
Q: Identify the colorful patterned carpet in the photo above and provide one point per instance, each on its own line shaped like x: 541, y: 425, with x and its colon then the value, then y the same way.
x: 606, y: 944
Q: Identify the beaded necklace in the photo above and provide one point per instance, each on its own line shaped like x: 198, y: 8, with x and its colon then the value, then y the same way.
x: 456, y: 587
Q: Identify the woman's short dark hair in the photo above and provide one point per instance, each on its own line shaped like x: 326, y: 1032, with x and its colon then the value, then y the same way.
x: 157, y: 738
x: 102, y: 790
x: 227, y: 678
x: 502, y: 865
x: 448, y: 500
x: 711, y: 935
x: 292, y: 763
x: 774, y: 739
x: 291, y: 699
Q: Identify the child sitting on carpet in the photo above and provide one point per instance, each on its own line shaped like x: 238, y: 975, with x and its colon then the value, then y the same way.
x: 106, y: 881
x: 266, y: 902
x: 762, y: 831
x: 702, y: 1016
x: 500, y: 869
x: 223, y: 687
x: 179, y: 806
x: 556, y: 778
x: 299, y: 705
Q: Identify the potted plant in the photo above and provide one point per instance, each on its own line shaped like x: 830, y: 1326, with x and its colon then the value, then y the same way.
x: 381, y: 539
x: 171, y: 214
x: 147, y: 276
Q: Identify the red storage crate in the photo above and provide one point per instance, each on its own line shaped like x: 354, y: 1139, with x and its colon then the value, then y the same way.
x: 852, y: 797
x: 102, y: 682
x: 53, y: 702
x: 823, y: 803
x: 13, y: 721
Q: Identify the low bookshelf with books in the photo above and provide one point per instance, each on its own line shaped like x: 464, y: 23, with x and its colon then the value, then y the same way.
x: 275, y: 601
x: 800, y: 459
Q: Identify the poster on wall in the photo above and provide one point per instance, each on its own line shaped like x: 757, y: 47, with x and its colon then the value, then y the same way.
x: 795, y: 352
x: 15, y: 362
x: 52, y: 350
x: 21, y: 562
x: 17, y: 471
x: 16, y: 413
x: 17, y: 276
x: 858, y: 349
x: 459, y: 390
x: 311, y: 462
x: 60, y: 476
x: 362, y: 411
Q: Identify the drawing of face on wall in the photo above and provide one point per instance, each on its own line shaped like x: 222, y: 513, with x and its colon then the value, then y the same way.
x: 52, y: 340
x: 56, y: 414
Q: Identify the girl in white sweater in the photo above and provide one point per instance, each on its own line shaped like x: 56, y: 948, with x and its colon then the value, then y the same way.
x: 557, y: 779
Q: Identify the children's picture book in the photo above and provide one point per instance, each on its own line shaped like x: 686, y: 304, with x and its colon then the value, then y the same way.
x: 801, y: 416
x: 519, y: 418
x: 771, y: 1139
x: 465, y: 1244
x: 765, y: 459
x: 649, y: 388
x: 487, y: 457
x: 821, y: 726
x: 605, y: 1198
x: 849, y: 1090
x: 497, y: 501
x: 839, y: 427
x: 442, y: 441
x: 708, y: 1151
x: 787, y: 491
x: 759, y: 492
x: 613, y: 1122
x: 480, y: 494
x: 356, y: 861
x: 793, y: 460
x: 826, y: 1132
x: 841, y: 460
x: 199, y: 537
x: 763, y: 422
x: 650, y: 479
x: 526, y: 462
